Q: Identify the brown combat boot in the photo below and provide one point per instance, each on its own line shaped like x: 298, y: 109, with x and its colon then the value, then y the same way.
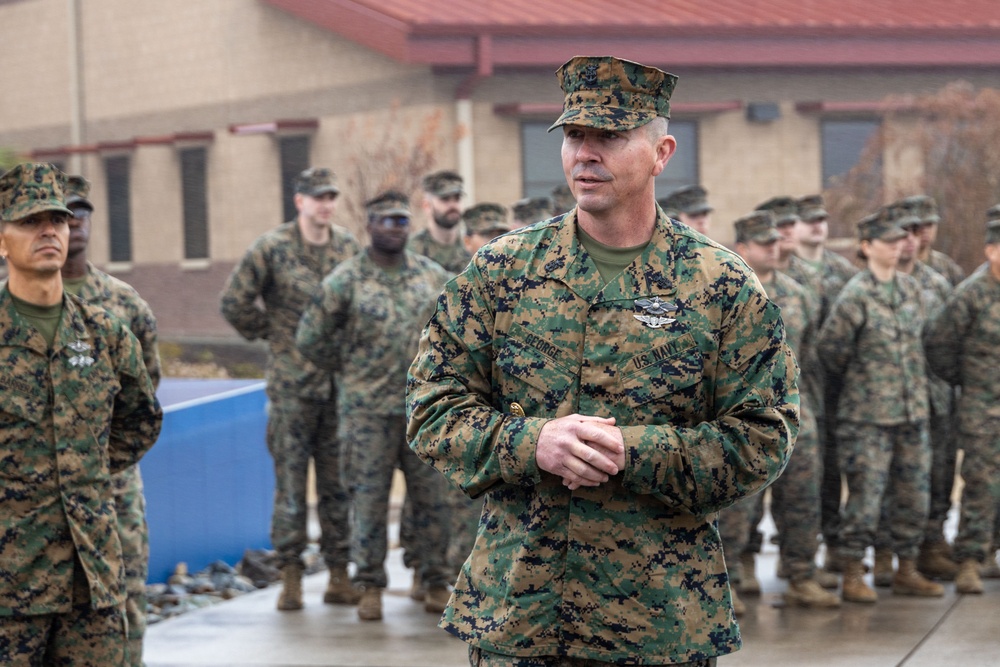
x: 290, y: 598
x: 827, y: 579
x: 436, y: 599
x: 738, y: 607
x: 934, y: 561
x: 370, y: 604
x: 808, y: 593
x: 910, y: 582
x: 417, y: 590
x: 883, y: 568
x: 748, y: 583
x: 990, y: 569
x: 968, y: 581
x: 855, y: 589
x: 339, y: 589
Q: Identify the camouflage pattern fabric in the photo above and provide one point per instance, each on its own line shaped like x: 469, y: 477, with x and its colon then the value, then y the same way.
x: 631, y: 571
x: 480, y: 658
x: 876, y: 460
x: 866, y: 334
x: 82, y: 637
x: 835, y: 271
x: 92, y: 395
x: 280, y: 269
x: 127, y: 305
x: 946, y: 266
x: 453, y: 258
x: 963, y: 346
x: 300, y: 430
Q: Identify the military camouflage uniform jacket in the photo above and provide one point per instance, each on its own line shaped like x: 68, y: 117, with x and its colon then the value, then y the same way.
x: 963, y: 347
x: 281, y: 269
x: 946, y: 266
x: 365, y: 322
x: 874, y: 340
x: 71, y: 417
x: 631, y: 571
x: 454, y: 258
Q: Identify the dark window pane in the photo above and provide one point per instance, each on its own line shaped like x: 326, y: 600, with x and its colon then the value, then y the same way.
x: 542, y: 167
x: 294, y: 160
x: 843, y: 143
x: 194, y: 183
x: 116, y: 174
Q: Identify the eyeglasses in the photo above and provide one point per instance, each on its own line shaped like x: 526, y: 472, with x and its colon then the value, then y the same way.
x: 390, y: 221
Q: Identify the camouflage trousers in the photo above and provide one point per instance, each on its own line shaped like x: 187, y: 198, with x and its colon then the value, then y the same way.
x: 942, y: 478
x: 879, y: 460
x: 300, y: 430
x: 83, y: 637
x: 831, y: 483
x: 375, y: 447
x: 481, y: 658
x: 980, y: 497
x: 130, y: 505
x: 463, y: 524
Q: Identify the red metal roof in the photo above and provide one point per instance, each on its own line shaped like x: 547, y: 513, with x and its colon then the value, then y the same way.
x: 693, y: 33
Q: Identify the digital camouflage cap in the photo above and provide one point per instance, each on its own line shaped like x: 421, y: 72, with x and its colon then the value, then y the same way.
x: 32, y: 187
x: 879, y: 225
x: 486, y: 217
x: 993, y: 224
x: 78, y: 192
x: 924, y: 207
x: 811, y: 208
x: 387, y: 204
x: 316, y: 181
x: 444, y: 184
x: 785, y: 210
x: 609, y: 93
x: 689, y: 200
x: 533, y: 209
x: 905, y: 212
x: 757, y: 227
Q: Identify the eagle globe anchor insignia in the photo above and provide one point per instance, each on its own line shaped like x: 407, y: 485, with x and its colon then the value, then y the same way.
x: 655, y: 311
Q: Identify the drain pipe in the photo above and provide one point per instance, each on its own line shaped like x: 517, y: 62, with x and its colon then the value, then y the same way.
x: 465, y: 146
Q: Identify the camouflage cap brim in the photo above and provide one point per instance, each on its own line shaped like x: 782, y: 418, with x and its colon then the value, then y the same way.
x: 597, y: 114
x: 449, y: 191
x: 993, y: 231
x: 79, y: 201
x: 322, y: 190
x: 815, y: 215
x: 390, y: 212
x: 891, y: 234
x: 23, y: 210
x: 698, y: 209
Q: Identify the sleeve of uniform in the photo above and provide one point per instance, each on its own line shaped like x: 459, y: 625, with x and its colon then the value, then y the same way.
x: 451, y: 423
x: 944, y: 334
x: 238, y: 302
x: 835, y: 341
x: 756, y: 419
x: 137, y: 416
x: 318, y: 335
x: 143, y: 325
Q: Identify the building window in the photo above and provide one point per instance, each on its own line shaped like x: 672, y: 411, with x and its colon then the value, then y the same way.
x: 843, y: 142
x: 194, y: 186
x: 116, y: 175
x: 542, y: 166
x: 294, y: 160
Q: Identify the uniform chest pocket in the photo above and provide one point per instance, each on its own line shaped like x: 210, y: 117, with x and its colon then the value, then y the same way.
x: 665, y: 384
x: 532, y: 379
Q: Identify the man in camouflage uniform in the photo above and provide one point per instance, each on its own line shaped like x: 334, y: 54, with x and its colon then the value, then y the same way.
x: 530, y: 210
x: 441, y: 240
x: 930, y: 222
x: 608, y: 381
x: 795, y: 496
x: 484, y: 222
x: 82, y: 279
x: 689, y: 204
x: 963, y: 347
x: 283, y: 269
x: 872, y: 335
x: 364, y: 323
x: 935, y: 555
x: 77, y: 406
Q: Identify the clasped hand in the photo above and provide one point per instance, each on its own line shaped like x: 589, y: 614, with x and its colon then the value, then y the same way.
x: 583, y: 450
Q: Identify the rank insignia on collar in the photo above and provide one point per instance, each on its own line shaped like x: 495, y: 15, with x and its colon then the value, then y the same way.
x: 80, y: 360
x: 78, y: 346
x: 655, y: 311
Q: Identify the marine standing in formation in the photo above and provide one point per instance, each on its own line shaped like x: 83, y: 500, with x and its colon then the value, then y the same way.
x: 283, y: 269
x: 607, y: 380
x: 441, y: 240
x: 77, y: 406
x: 689, y: 204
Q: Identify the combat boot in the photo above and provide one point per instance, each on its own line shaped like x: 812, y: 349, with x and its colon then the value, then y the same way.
x: 738, y: 607
x: 417, y: 590
x: 827, y: 579
x: 883, y: 568
x: 290, y: 598
x: 967, y: 581
x: 748, y: 583
x: 436, y: 599
x: 935, y: 562
x: 910, y: 582
x: 339, y: 589
x: 990, y: 569
x: 370, y: 604
x: 855, y: 589
x: 808, y: 593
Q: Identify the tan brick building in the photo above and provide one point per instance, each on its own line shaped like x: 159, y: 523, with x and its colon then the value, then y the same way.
x: 190, y: 117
